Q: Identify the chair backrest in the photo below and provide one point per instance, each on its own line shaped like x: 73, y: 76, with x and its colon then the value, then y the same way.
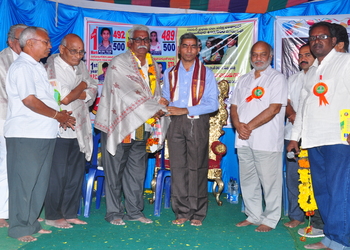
x: 219, y: 118
x: 96, y: 144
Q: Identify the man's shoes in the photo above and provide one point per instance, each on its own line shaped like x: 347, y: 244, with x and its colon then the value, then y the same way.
x: 314, y: 233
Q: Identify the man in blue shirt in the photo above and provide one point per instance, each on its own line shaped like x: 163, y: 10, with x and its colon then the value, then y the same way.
x: 192, y: 93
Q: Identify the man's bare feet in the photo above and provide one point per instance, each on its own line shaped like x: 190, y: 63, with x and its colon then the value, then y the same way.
x: 143, y: 220
x: 61, y: 223
x: 118, y: 222
x: 27, y: 238
x: 44, y: 231
x: 293, y: 223
x: 76, y: 221
x: 179, y: 221
x: 196, y: 223
x: 3, y: 223
x: 40, y: 219
x: 263, y: 228
x: 317, y: 245
x: 243, y: 223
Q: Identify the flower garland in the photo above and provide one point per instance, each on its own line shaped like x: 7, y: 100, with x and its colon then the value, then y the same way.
x: 152, y: 76
x: 306, y: 196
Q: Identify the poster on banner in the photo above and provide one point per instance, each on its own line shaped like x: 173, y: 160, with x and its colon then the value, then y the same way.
x: 292, y: 32
x: 224, y: 48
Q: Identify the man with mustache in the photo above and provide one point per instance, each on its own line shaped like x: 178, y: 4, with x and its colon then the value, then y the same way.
x: 30, y: 130
x: 257, y: 110
x: 325, y: 93
x: 77, y: 92
x: 295, y: 83
x: 130, y: 99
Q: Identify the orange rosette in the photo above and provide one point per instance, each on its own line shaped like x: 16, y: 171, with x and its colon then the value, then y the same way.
x: 304, y: 163
x: 320, y: 90
x: 257, y: 93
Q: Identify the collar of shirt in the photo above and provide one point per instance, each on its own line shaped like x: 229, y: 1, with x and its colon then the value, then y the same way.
x: 14, y: 54
x: 183, y: 68
x: 29, y: 58
x: 65, y: 65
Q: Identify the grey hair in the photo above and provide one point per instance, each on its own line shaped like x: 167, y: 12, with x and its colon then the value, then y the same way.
x: 268, y: 45
x: 188, y: 36
x: 11, y: 35
x: 138, y: 27
x: 29, y: 33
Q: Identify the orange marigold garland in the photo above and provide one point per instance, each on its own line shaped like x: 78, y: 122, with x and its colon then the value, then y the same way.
x: 306, y: 196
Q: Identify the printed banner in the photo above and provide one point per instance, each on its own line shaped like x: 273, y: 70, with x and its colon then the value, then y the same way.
x: 224, y: 47
x: 291, y: 33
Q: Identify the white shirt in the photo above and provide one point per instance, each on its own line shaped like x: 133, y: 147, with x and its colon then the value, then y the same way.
x: 317, y: 124
x: 269, y: 136
x: 28, y: 77
x: 295, y: 84
x: 66, y: 77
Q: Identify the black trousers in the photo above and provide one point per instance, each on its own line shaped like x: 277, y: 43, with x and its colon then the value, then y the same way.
x: 66, y: 178
x: 188, y: 141
x: 28, y: 167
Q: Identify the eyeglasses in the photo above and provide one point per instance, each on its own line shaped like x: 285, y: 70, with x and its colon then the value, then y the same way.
x: 192, y: 46
x: 73, y: 52
x: 43, y: 41
x: 139, y: 40
x: 16, y: 38
x: 320, y: 37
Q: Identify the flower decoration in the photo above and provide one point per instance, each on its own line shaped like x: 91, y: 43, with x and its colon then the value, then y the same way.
x: 306, y: 196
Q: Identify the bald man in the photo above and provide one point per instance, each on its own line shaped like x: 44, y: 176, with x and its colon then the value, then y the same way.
x: 77, y: 91
x: 258, y: 106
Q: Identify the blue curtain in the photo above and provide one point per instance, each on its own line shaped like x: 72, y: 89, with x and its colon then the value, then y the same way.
x: 70, y: 19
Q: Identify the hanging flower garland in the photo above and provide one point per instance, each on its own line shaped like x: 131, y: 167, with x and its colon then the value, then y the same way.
x: 306, y: 196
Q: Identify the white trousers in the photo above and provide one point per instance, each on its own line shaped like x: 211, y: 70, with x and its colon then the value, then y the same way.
x: 4, y: 212
x: 261, y: 176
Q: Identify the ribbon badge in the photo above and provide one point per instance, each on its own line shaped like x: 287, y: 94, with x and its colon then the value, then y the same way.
x: 257, y: 93
x: 320, y: 90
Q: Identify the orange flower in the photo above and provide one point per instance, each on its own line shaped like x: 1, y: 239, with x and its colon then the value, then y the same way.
x: 304, y: 163
x: 302, y: 238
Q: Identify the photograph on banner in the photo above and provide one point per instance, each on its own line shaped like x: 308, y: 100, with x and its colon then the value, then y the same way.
x: 292, y: 32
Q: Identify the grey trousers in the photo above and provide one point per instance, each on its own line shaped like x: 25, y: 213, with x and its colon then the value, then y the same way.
x: 28, y: 166
x: 188, y: 141
x: 66, y: 179
x: 125, y: 174
x: 260, y: 173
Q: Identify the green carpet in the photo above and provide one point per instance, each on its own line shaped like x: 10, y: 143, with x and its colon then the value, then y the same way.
x: 218, y: 232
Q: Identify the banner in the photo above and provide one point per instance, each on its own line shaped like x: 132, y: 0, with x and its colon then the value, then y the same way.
x: 291, y: 33
x: 224, y: 48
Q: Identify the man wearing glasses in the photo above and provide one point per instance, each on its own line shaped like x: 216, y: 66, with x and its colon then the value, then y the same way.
x: 75, y: 91
x: 7, y: 56
x: 130, y: 97
x: 324, y: 95
x: 30, y: 130
x: 192, y: 92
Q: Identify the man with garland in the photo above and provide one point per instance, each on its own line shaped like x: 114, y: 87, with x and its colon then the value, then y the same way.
x: 257, y: 113
x: 296, y: 214
x: 7, y: 57
x: 325, y: 93
x: 192, y: 91
x: 131, y: 96
x: 77, y: 91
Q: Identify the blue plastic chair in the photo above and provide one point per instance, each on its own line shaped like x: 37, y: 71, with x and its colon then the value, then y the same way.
x: 163, y: 182
x: 95, y: 173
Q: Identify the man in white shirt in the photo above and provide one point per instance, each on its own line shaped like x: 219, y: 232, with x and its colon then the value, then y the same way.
x: 7, y: 56
x: 77, y: 91
x: 325, y: 93
x: 30, y: 130
x: 257, y: 112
